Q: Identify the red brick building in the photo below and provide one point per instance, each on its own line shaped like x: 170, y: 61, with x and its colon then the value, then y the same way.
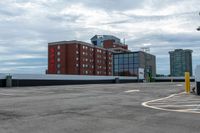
x: 115, y: 46
x: 109, y: 42
x: 78, y: 58
x: 112, y: 44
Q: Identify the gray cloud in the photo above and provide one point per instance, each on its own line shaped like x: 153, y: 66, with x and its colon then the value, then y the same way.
x: 27, y: 27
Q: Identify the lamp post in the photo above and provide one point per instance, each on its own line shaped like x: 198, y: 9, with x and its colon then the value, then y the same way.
x: 198, y: 29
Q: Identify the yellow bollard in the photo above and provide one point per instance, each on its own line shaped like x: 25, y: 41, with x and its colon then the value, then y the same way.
x: 187, y: 82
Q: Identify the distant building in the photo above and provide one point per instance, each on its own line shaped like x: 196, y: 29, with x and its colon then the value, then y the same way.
x: 78, y: 58
x: 109, y: 42
x: 180, y: 62
x: 99, y: 39
x: 127, y: 64
x: 81, y: 58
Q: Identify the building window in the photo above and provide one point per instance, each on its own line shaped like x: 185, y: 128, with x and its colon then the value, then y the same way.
x: 77, y: 52
x: 115, y: 56
x: 77, y: 58
x: 125, y: 60
x: 58, y: 59
x: 58, y: 72
x: 58, y: 65
x: 58, y: 47
x: 77, y: 65
x: 86, y: 72
x: 125, y: 56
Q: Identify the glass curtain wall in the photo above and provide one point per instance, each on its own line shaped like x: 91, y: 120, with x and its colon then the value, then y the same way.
x: 125, y: 64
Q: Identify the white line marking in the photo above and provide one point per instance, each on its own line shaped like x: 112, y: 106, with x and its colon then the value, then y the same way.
x: 192, y: 105
x: 145, y: 104
x: 179, y: 85
x: 6, y: 94
x: 129, y: 91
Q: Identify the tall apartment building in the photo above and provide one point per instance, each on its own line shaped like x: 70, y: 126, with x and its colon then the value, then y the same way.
x: 180, y: 62
x: 128, y: 64
x: 78, y: 58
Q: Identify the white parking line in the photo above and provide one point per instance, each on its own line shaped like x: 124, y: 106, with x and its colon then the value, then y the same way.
x: 179, y: 85
x: 129, y: 91
x: 4, y: 94
x: 192, y: 105
x: 192, y: 110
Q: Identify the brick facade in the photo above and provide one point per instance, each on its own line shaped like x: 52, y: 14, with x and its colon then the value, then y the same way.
x: 78, y: 58
x: 111, y: 44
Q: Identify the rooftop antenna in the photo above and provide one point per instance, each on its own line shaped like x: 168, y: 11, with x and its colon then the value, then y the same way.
x: 145, y: 49
x: 124, y: 41
x: 198, y: 29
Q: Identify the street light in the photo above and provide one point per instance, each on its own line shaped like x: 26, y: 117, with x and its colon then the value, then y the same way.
x: 198, y: 29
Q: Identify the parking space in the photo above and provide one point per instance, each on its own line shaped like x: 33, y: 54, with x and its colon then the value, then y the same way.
x: 109, y: 108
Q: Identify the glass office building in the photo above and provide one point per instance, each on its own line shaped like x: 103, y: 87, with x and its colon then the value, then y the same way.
x: 127, y: 64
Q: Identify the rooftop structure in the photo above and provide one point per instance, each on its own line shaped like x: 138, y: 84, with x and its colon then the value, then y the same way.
x: 109, y: 42
x: 99, y: 39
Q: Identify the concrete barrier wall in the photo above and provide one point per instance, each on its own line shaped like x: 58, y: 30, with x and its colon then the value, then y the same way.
x: 172, y: 79
x: 2, y: 80
x: 44, y: 80
x: 67, y: 77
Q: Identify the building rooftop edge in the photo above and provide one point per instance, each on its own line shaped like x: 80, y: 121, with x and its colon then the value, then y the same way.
x: 135, y: 52
x: 181, y: 50
x: 77, y: 42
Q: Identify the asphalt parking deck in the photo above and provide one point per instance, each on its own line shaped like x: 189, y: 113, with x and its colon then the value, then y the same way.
x: 110, y: 108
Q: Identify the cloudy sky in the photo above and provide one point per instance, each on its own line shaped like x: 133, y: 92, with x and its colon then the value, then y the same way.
x: 26, y: 26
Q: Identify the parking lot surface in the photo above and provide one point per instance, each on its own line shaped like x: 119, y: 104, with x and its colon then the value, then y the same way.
x: 109, y: 108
